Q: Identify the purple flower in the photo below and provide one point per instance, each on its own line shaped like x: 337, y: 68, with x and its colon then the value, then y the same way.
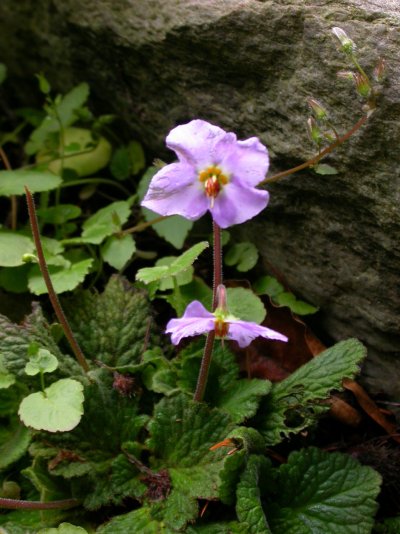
x: 215, y: 172
x: 197, y: 320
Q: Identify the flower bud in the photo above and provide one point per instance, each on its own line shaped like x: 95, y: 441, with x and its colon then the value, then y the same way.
x: 313, y: 131
x: 318, y: 109
x: 380, y: 70
x: 348, y: 46
x: 29, y: 258
x: 362, y: 85
x: 222, y: 304
x: 346, y: 75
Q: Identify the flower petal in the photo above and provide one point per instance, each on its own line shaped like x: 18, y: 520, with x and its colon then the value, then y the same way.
x: 246, y: 162
x: 196, y: 320
x: 244, y: 332
x: 236, y: 204
x: 175, y: 190
x: 194, y: 142
x: 196, y: 309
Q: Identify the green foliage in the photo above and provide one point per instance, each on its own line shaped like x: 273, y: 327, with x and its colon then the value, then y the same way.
x: 14, y: 445
x: 106, y: 221
x: 13, y: 246
x: 14, y: 182
x: 242, y: 255
x: 63, y: 528
x: 297, y: 401
x: 58, y: 408
x: 41, y: 361
x: 117, y: 251
x: 63, y: 278
x: 112, y: 326
x: 388, y: 526
x: 268, y: 285
x: 179, y: 265
x: 245, y: 305
x: 127, y: 160
x: 316, y: 491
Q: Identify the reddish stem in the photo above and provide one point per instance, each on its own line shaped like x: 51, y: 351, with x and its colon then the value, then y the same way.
x: 15, y: 504
x: 13, y: 199
x: 208, y: 349
x: 320, y: 155
x: 47, y: 280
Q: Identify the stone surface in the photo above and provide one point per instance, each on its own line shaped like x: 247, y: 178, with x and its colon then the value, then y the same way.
x: 249, y: 65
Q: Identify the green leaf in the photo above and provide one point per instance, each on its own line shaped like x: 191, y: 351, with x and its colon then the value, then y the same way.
x: 137, y: 522
x: 64, y: 279
x: 44, y: 85
x: 58, y: 409
x: 63, y: 528
x: 13, y: 182
x: 117, y: 251
x: 241, y: 400
x: 185, y: 277
x: 7, y: 379
x: 297, y: 401
x: 181, y: 434
x: 15, y: 445
x: 325, y: 169
x: 120, y: 165
x: 72, y: 101
x: 111, y: 326
x: 249, y: 508
x: 106, y: 221
x: 268, y: 285
x: 389, y: 526
x: 242, y: 255
x: 137, y: 157
x: 296, y: 306
x: 221, y: 527
x: 317, y: 491
x: 245, y: 305
x: 173, y: 229
x: 180, y: 264
x: 41, y: 362
x: 59, y: 214
x: 15, y: 279
x: 12, y: 247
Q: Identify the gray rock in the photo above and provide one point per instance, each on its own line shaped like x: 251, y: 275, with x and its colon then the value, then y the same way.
x: 249, y: 65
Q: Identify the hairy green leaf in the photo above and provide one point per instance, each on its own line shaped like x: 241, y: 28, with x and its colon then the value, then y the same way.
x: 324, y: 492
x: 111, y: 326
x: 296, y: 402
x: 256, y: 476
x: 137, y: 522
x: 15, y: 445
x: 63, y: 528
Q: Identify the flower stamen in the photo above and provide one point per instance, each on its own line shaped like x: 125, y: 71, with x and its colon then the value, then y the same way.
x: 213, y: 179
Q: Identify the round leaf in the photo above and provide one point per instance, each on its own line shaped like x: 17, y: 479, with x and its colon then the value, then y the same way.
x: 41, y: 362
x: 14, y: 182
x: 58, y: 409
x: 64, y: 279
x: 245, y: 305
x: 12, y: 247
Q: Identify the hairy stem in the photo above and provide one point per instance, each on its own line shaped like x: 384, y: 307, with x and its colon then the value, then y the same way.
x: 13, y: 199
x: 52, y: 294
x: 15, y: 504
x: 204, y: 368
x: 320, y: 155
x: 208, y: 349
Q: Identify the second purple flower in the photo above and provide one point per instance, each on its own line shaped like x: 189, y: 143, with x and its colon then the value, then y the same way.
x: 214, y: 172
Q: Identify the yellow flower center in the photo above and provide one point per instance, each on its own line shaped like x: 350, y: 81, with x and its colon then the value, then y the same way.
x: 221, y: 328
x: 213, y: 180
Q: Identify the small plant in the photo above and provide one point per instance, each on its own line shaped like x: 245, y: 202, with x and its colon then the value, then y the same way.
x: 101, y: 415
